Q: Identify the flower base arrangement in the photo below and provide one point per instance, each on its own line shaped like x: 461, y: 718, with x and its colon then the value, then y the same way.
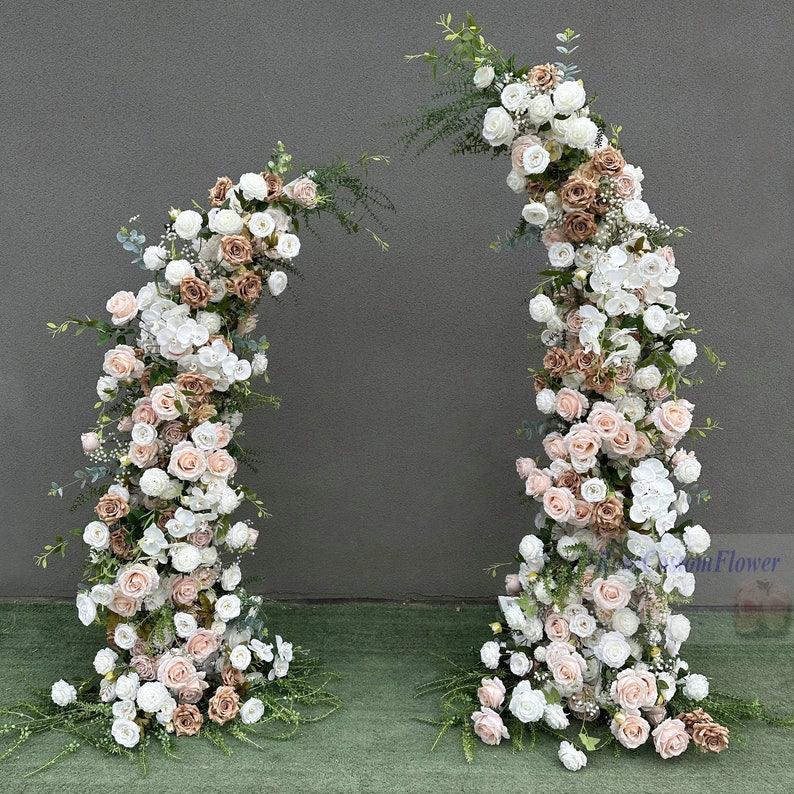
x: 589, y: 632
x: 188, y: 651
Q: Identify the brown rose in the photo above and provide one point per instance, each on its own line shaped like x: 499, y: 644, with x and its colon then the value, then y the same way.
x: 578, y: 193
x: 608, y: 517
x: 145, y: 666
x: 275, y: 185
x: 187, y: 720
x: 202, y: 413
x: 224, y: 705
x: 556, y: 362
x: 247, y: 286
x: 568, y: 479
x: 174, y: 432
x: 119, y: 545
x: 543, y: 76
x: 219, y: 190
x: 608, y: 161
x: 194, y: 292
x: 691, y: 718
x: 232, y: 677
x: 236, y: 249
x: 579, y: 226
x: 111, y: 508
x: 586, y: 361
x: 194, y: 384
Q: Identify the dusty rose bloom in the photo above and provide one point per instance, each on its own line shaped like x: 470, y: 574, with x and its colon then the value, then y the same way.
x: 491, y: 692
x: 194, y: 384
x: 174, y: 432
x: 166, y: 401
x: 586, y: 360
x: 582, y: 511
x: 219, y: 190
x: 568, y: 479
x: 193, y: 691
x: 578, y: 194
x: 579, y: 226
x: 119, y: 545
x: 512, y: 584
x: 194, y: 292
x: 608, y: 161
x: 691, y: 718
x: 224, y: 705
x: 145, y: 666
x: 556, y: 361
x: 187, y: 720
x: 202, y: 414
x: 175, y: 671
x: 626, y: 186
x: 143, y: 412
x: 123, y: 605
x: 624, y: 373
x: 587, y: 172
x: 247, y: 286
x: 520, y: 145
x: 201, y: 538
x: 544, y: 76
x: 670, y: 738
x: 538, y: 382
x: 184, y: 590
x: 549, y: 236
x: 673, y: 418
x: 655, y: 715
x: 111, y: 508
x: 304, y: 192
x: 488, y: 726
x: 206, y: 577
x: 275, y: 185
x: 710, y: 737
x: 202, y: 644
x: 631, y: 730
x: 236, y: 249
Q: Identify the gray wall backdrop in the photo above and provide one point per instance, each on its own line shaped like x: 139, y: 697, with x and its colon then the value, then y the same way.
x: 389, y: 469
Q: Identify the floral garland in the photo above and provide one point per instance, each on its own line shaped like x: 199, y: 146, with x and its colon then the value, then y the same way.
x: 187, y: 648
x: 591, y: 631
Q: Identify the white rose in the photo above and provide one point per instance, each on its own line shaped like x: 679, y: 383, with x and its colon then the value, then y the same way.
x: 647, y: 377
x: 571, y: 758
x: 187, y: 225
x: 185, y: 557
x: 484, y: 76
x: 227, y: 607
x: 152, y: 696
x: 535, y: 213
x: 105, y: 661
x: 497, y: 127
x: 166, y: 713
x: 185, y: 624
x: 63, y: 693
x: 545, y: 401
x: 101, y: 594
x: 153, y: 482
x: 516, y: 182
x: 210, y: 320
x: 154, y: 257
x: 237, y: 536
x: 566, y: 548
x: 106, y: 388
x: 677, y: 628
x: 684, y: 352
x: 580, y: 133
x: 277, y: 282
x: 535, y: 159
x: 124, y: 636
x: 636, y: 211
x: 612, y: 649
x: 261, y: 224
x: 97, y: 535
x: 143, y: 433
x: 696, y: 686
x: 687, y: 471
x: 561, y: 255
x: 259, y: 364
x: 489, y: 655
x: 124, y: 710
x: 252, y: 711
x: 514, y: 96
x: 240, y: 657
x: 594, y: 489
x: 253, y: 186
x: 582, y: 624
x: 126, y: 732
x: 288, y: 246
x: 625, y: 621
x: 217, y: 289
x: 176, y: 270
x: 697, y: 539
x: 231, y: 577
x: 540, y: 109
x: 527, y: 704
x: 531, y: 549
x: 554, y: 716
x: 519, y: 664
x: 225, y: 221
x: 127, y: 686
x: 541, y: 309
x: 569, y: 97
x: 86, y: 608
x: 655, y: 319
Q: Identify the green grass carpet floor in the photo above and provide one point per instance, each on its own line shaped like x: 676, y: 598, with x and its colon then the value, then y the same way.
x: 375, y: 743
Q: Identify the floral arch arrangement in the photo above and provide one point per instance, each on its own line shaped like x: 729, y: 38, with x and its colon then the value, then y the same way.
x: 589, y: 628
x: 188, y: 650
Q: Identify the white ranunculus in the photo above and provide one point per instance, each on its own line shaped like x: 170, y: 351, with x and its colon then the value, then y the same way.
x: 152, y: 696
x: 594, y: 489
x: 253, y: 186
x: 554, y: 716
x: 124, y: 710
x: 684, y: 352
x: 154, y: 257
x: 106, y: 387
x: 154, y: 481
x: 545, y: 400
x: 176, y: 270
x: 97, y: 535
x: 519, y: 664
x: 687, y: 471
x: 63, y: 693
x: 571, y: 758
x: 541, y: 308
x: 277, y: 282
x: 225, y: 221
x: 240, y: 657
x: 535, y: 159
x: 185, y: 624
x: 187, y: 225
x: 625, y: 621
x: 252, y: 711
x: 527, y: 704
x: 86, y: 608
x: 531, y: 549
x: 540, y: 108
x: 677, y: 628
x: 655, y: 319
x: 231, y: 577
x: 101, y: 594
x: 566, y: 548
x: 535, y: 213
x: 126, y: 732
x: 561, y: 255
x: 580, y: 133
x: 612, y: 649
x: 125, y: 636
x: 259, y: 364
x: 288, y: 246
x: 210, y: 320
x: 484, y: 76
x: 489, y: 654
x: 696, y: 539
x: 105, y: 661
x: 514, y: 96
x: 647, y: 377
x: 696, y: 686
x: 569, y: 97
x: 636, y: 211
x: 127, y: 686
x: 185, y: 557
x: 497, y: 127
x: 227, y: 607
x: 516, y: 182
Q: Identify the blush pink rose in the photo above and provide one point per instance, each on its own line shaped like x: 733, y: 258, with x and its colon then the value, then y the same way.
x: 550, y: 236
x: 491, y: 692
x: 175, y: 671
x: 557, y: 650
x: 488, y: 726
x: 570, y: 404
x: 582, y: 512
x: 520, y: 145
x: 624, y: 441
x: 568, y: 671
x: 554, y: 446
x: 512, y: 584
x: 184, y: 590
x: 538, y: 482
x: 123, y: 306
x: 558, y: 504
x: 643, y: 447
x: 631, y: 730
x: 143, y: 413
x: 121, y: 363
x: 202, y: 644
x: 610, y: 593
x: 582, y: 442
x: 670, y: 738
x: 90, y: 442
x: 167, y: 402
x: 123, y: 605
x: 634, y: 689
x: 524, y: 467
x: 556, y: 627
x: 221, y: 464
x: 605, y: 420
x: 137, y: 581
x: 224, y: 434
x: 673, y: 418
x: 143, y: 455
x: 187, y: 462
x: 145, y: 666
x: 193, y: 691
